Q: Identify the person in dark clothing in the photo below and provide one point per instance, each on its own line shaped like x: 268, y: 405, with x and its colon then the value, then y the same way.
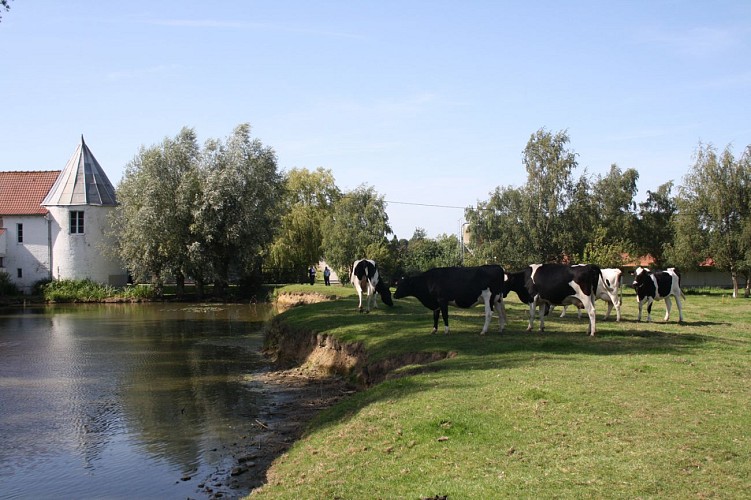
x: 312, y: 275
x: 327, y: 276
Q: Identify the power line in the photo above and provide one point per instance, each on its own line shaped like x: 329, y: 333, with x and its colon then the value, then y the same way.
x: 425, y: 204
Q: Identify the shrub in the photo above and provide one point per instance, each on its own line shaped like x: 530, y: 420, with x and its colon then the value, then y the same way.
x: 137, y: 292
x: 7, y: 287
x: 76, y: 291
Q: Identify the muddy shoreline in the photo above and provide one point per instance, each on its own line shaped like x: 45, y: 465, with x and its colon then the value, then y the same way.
x: 290, y: 400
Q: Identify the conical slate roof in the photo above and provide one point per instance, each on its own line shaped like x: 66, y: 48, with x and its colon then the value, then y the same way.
x: 82, y: 182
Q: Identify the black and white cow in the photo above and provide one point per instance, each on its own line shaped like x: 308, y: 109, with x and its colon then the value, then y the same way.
x: 608, y: 288
x: 366, y: 278
x: 657, y: 285
x: 459, y: 286
x: 555, y: 285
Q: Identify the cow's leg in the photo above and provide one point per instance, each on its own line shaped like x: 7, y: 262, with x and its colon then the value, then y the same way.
x: 680, y: 308
x: 532, y: 312
x: 487, y: 296
x: 563, y: 313
x: 640, y: 302
x: 668, y: 306
x: 373, y: 295
x: 501, y: 308
x: 542, y: 316
x: 445, y: 313
x: 618, y: 310
x: 650, y: 301
x: 589, y: 306
x: 436, y: 313
x: 610, y: 308
x: 359, y: 297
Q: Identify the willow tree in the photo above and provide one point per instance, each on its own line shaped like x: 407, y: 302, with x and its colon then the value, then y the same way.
x: 714, y: 211
x: 152, y: 222
x: 238, y: 208
x: 308, y: 200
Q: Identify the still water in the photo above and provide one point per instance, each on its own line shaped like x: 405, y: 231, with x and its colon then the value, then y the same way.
x: 123, y: 401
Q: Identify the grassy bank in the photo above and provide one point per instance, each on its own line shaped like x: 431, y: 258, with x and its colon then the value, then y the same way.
x: 641, y: 410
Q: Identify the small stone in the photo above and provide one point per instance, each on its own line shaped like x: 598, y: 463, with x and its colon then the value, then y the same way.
x: 236, y: 471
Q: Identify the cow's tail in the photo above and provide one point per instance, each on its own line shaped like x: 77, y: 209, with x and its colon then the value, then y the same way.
x: 383, y: 290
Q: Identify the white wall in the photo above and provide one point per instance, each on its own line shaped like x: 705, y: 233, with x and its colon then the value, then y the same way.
x: 31, y: 256
x: 81, y: 256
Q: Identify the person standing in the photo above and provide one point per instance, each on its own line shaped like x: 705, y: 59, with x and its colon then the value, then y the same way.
x: 312, y: 275
x: 327, y: 276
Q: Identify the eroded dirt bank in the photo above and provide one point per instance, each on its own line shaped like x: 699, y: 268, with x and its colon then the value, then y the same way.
x: 307, y: 373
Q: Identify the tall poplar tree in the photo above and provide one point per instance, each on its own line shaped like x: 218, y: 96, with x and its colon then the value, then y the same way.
x: 549, y: 164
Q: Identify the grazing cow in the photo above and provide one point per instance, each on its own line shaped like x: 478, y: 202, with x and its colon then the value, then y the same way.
x: 608, y: 288
x: 553, y: 285
x: 459, y: 286
x: 365, y: 277
x: 656, y: 285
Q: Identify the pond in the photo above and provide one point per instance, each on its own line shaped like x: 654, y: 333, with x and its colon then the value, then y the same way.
x: 123, y: 400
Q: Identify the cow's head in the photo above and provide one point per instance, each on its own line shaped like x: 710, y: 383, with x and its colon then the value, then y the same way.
x: 403, y: 288
x: 641, y: 274
x: 385, y: 294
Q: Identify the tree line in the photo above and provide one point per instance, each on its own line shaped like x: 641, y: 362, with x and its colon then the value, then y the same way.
x: 224, y: 212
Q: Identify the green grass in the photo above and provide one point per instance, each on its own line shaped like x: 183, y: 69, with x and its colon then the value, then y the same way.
x: 640, y: 411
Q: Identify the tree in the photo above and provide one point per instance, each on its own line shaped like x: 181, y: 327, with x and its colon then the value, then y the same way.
x: 308, y: 200
x: 497, y: 230
x: 656, y: 224
x: 549, y: 164
x: 579, y: 218
x: 238, y: 209
x: 152, y: 222
x: 614, y: 203
x: 357, y: 228
x: 714, y: 204
x: 4, y: 5
x: 423, y: 253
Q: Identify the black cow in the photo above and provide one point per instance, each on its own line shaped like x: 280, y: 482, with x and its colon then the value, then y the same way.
x: 554, y: 285
x: 656, y: 285
x: 459, y: 286
x: 365, y: 277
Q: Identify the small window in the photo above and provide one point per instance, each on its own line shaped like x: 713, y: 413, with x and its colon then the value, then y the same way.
x: 19, y: 232
x: 2, y: 262
x: 20, y: 272
x: 76, y: 222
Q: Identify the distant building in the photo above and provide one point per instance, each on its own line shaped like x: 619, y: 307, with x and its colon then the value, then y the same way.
x: 53, y: 224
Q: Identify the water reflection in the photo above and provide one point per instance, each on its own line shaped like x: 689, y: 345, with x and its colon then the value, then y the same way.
x: 122, y: 400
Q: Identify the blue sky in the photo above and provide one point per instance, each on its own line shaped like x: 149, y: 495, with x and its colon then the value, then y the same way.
x: 430, y: 103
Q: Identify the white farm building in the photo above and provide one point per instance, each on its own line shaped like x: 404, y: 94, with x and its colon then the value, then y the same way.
x: 53, y: 224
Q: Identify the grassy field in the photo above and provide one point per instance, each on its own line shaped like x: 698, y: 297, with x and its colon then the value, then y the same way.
x: 640, y: 411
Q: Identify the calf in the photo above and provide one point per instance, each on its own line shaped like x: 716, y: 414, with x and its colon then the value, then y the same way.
x: 656, y: 285
x: 365, y: 277
x: 459, y: 286
x: 553, y: 285
x: 608, y: 287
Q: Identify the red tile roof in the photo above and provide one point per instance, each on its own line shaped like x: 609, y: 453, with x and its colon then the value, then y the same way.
x: 21, y: 193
